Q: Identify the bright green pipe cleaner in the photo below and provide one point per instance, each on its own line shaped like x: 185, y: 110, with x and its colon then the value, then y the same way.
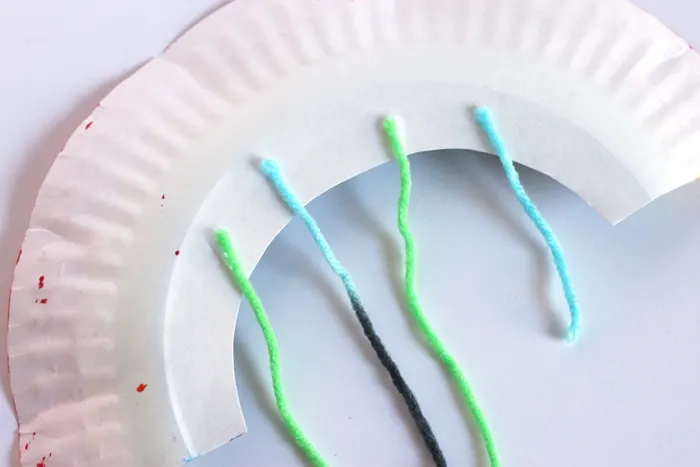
x: 414, y: 306
x: 229, y: 256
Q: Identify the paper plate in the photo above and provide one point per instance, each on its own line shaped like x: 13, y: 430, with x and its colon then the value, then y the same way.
x: 121, y: 323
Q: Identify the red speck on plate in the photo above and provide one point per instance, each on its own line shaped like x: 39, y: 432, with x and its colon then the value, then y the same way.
x: 87, y: 127
x: 41, y: 282
x: 162, y: 196
x: 19, y: 255
x: 41, y: 464
x: 43, y: 301
x: 177, y: 252
x: 26, y: 447
x: 141, y: 387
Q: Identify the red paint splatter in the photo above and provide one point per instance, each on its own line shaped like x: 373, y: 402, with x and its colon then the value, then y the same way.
x: 43, y: 301
x: 141, y: 387
x: 41, y: 282
x: 19, y: 255
x: 26, y: 446
x: 177, y: 252
x: 87, y: 127
x: 162, y: 196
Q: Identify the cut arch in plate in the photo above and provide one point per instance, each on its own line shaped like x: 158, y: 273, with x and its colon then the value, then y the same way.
x: 129, y: 360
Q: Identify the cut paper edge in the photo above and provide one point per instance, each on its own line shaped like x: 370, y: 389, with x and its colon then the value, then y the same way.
x: 77, y: 360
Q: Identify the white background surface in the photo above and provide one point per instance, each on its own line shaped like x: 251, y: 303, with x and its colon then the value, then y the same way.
x: 482, y: 266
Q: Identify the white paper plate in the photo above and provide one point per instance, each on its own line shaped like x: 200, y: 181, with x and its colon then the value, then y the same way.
x: 597, y: 94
